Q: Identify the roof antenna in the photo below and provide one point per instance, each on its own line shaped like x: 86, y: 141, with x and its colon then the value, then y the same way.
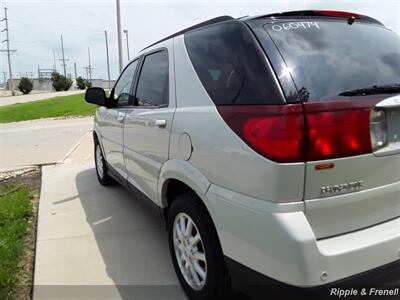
x: 351, y: 20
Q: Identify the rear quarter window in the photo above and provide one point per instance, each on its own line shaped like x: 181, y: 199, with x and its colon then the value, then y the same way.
x: 231, y: 66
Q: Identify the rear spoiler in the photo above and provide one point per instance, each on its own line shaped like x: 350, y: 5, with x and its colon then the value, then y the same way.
x: 322, y: 13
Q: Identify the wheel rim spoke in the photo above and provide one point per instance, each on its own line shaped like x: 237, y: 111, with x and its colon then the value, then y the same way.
x: 195, y: 276
x: 182, y: 225
x: 179, y: 233
x: 179, y: 245
x: 199, y: 269
x: 189, y: 228
x: 200, y: 256
x: 194, y: 240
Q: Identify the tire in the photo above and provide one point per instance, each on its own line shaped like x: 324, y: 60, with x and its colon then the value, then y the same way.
x: 101, y: 166
x: 215, y: 283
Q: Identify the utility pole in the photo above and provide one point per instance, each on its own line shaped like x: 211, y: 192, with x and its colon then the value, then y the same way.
x: 119, y: 36
x: 76, y: 74
x: 4, y: 78
x: 90, y: 66
x: 54, y: 61
x: 63, y: 58
x: 108, y: 62
x: 127, y: 42
x: 8, y: 50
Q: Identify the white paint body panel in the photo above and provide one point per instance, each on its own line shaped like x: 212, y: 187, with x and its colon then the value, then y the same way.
x: 377, y: 201
x: 218, y: 152
x: 111, y: 136
x: 278, y: 241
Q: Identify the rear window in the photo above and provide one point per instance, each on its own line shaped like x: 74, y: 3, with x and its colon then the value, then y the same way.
x: 327, y: 57
x: 230, y: 65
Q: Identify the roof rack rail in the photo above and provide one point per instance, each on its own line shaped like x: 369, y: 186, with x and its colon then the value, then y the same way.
x: 202, y: 24
x: 326, y: 13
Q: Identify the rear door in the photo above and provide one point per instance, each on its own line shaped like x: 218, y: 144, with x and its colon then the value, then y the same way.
x: 345, y: 189
x: 111, y: 119
x: 147, y: 126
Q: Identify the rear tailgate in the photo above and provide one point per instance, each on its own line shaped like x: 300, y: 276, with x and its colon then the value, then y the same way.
x: 316, y: 59
x: 359, y: 191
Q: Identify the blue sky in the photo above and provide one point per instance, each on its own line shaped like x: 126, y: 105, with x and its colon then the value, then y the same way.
x: 35, y: 26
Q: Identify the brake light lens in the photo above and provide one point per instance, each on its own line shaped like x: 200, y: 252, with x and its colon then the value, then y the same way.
x: 337, y: 129
x: 379, y: 131
x: 274, y: 131
x: 309, y: 131
x: 335, y: 13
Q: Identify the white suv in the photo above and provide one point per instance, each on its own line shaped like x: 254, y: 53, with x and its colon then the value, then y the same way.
x: 271, y: 144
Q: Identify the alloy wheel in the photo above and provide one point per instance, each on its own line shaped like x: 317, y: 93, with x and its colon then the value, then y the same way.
x: 189, y: 251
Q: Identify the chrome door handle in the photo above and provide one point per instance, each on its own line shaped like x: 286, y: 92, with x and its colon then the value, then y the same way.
x: 161, y: 123
x: 120, y: 117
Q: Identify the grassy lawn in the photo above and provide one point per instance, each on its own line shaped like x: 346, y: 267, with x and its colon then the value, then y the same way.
x: 15, y: 213
x: 73, y: 105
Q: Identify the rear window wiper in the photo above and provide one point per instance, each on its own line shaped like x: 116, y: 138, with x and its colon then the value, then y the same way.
x: 373, y: 90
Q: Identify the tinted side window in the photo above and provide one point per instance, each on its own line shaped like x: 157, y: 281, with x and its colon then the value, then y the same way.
x: 122, y: 89
x: 230, y: 65
x: 152, y: 88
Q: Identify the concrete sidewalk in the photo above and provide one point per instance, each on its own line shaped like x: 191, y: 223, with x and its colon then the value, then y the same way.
x: 98, y: 242
x: 40, y: 141
x: 34, y: 97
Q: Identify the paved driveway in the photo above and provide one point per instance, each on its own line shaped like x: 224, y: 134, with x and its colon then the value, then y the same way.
x: 40, y: 141
x: 95, y: 242
x: 34, y: 97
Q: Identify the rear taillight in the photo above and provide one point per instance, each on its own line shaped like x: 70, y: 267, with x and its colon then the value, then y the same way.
x: 309, y: 131
x: 274, y: 131
x: 379, y: 131
x: 337, y: 129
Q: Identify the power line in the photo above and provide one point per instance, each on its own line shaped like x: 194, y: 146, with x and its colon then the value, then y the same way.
x: 8, y: 50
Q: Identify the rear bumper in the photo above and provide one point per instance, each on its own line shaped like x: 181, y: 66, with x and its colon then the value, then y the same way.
x: 277, y: 241
x: 384, y: 280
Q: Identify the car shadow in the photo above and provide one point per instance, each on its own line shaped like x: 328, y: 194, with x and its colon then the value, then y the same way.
x: 131, y: 238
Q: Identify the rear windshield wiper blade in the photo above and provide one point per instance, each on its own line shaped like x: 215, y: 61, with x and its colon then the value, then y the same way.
x: 373, y: 90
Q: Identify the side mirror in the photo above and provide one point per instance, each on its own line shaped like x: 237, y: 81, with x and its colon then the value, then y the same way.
x: 96, y: 96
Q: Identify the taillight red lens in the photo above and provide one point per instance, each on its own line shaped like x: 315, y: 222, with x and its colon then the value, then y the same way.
x: 304, y: 131
x: 337, y: 129
x: 274, y: 131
